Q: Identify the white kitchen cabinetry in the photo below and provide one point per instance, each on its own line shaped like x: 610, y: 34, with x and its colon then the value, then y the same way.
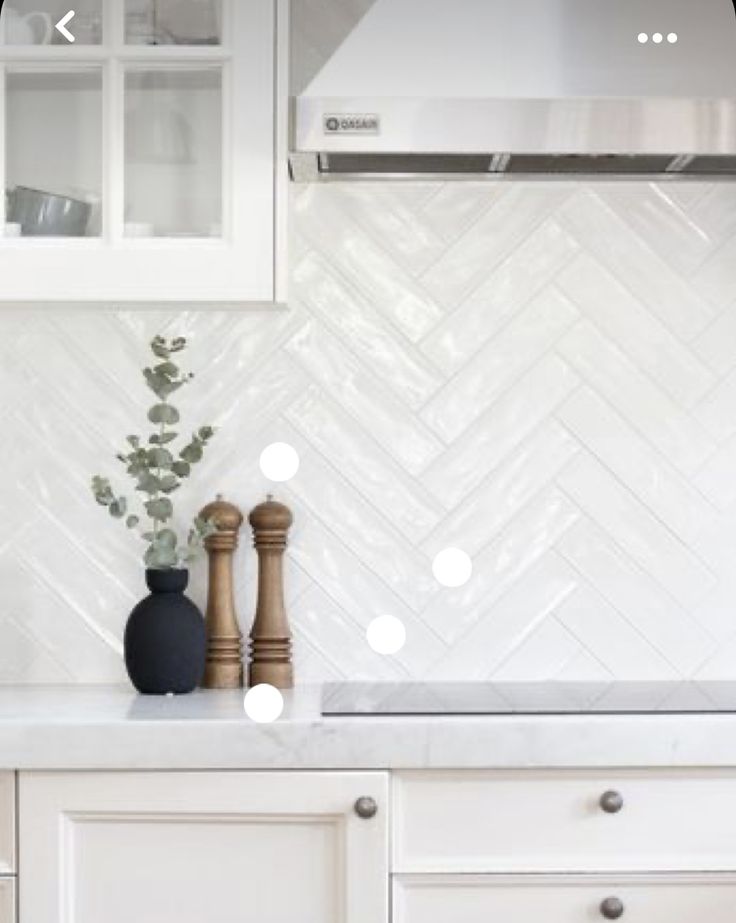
x: 648, y: 846
x: 468, y: 846
x: 542, y: 821
x: 146, y: 161
x: 566, y: 899
x: 277, y: 847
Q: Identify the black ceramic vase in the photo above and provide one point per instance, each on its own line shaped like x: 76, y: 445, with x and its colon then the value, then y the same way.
x: 165, y: 641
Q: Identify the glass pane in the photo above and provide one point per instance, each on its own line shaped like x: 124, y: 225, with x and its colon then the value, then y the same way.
x: 53, y: 149
x: 31, y: 22
x: 173, y: 153
x: 173, y: 22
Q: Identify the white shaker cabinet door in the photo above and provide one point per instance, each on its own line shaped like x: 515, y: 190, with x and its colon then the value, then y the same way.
x: 226, y: 847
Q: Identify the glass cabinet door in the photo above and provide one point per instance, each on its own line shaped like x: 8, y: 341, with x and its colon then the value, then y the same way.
x: 173, y: 22
x: 53, y: 152
x: 138, y: 161
x: 173, y: 152
x: 31, y: 22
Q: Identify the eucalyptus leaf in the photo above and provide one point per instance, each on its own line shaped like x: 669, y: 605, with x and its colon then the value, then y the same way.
x: 148, y: 483
x: 160, y: 458
x: 206, y: 432
x: 181, y: 469
x: 134, y: 441
x: 118, y: 508
x: 201, y: 530
x: 159, y: 384
x: 136, y: 469
x: 168, y: 484
x: 165, y: 439
x: 191, y: 453
x: 205, y: 527
x: 132, y: 521
x: 159, y: 347
x: 163, y: 413
x: 160, y: 509
x: 102, y: 491
x: 168, y: 369
x: 159, y: 557
x: 167, y: 537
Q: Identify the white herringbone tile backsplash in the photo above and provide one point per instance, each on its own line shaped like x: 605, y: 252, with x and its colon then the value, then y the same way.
x: 541, y: 374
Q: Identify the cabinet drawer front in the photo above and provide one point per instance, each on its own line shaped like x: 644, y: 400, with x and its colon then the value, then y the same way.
x: 7, y: 900
x: 554, y: 821
x: 475, y: 899
x: 7, y: 823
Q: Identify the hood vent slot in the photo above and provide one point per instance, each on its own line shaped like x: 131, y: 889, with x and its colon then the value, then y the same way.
x: 590, y: 164
x: 723, y: 165
x: 403, y: 164
x: 386, y: 166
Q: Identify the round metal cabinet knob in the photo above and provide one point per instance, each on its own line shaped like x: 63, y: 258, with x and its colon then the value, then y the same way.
x: 366, y: 807
x: 611, y: 802
x: 612, y: 908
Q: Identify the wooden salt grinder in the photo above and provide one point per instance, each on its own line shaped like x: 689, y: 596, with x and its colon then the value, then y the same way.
x: 270, y: 637
x: 224, y: 668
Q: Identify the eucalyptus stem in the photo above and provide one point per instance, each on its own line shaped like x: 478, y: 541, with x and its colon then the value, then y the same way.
x: 161, y: 432
x: 156, y: 471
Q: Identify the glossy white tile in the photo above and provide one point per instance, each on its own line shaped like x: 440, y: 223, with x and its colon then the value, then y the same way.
x: 637, y: 530
x: 524, y: 341
x: 541, y: 374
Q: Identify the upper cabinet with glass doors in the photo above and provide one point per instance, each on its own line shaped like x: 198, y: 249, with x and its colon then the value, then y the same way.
x: 143, y: 161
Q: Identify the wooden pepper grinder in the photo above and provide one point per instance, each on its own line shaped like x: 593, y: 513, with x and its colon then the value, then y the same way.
x: 270, y: 637
x: 224, y: 667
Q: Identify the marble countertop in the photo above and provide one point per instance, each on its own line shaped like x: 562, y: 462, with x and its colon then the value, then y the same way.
x: 85, y: 727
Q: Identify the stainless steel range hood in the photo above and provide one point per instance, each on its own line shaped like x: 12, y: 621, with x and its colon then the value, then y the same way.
x: 508, y: 88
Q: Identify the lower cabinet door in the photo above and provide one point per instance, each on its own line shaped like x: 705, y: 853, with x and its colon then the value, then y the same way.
x: 224, y: 847
x: 7, y: 900
x: 572, y: 899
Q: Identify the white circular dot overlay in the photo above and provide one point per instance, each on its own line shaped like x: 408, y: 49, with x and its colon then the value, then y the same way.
x: 643, y: 38
x: 452, y: 567
x: 279, y: 461
x: 672, y: 38
x: 386, y: 634
x: 263, y: 703
x: 657, y: 38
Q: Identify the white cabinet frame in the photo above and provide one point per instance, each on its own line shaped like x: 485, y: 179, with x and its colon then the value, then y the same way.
x: 55, y: 807
x: 248, y: 265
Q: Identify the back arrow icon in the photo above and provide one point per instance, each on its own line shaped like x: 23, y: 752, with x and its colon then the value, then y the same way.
x: 61, y: 26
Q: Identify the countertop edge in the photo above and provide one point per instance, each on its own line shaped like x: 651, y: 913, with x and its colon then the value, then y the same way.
x: 510, y: 742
